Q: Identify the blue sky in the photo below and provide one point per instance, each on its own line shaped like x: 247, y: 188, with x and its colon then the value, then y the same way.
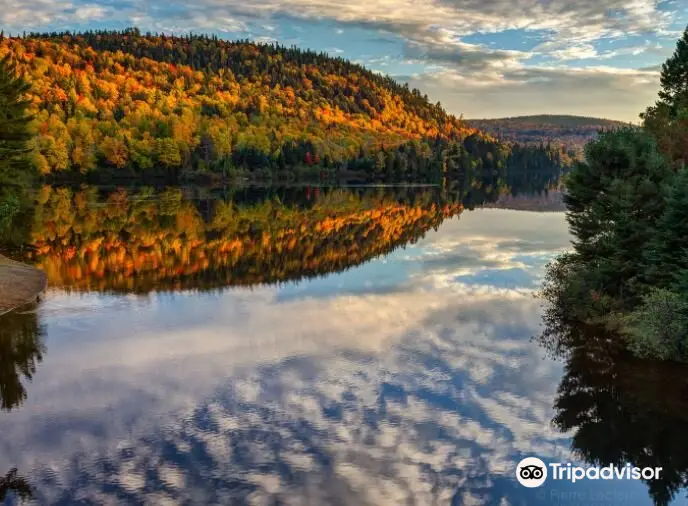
x: 480, y: 58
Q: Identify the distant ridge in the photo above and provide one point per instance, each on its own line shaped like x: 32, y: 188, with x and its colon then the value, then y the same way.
x: 552, y: 119
x: 568, y: 130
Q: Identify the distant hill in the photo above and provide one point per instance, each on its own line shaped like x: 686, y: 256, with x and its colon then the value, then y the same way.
x: 571, y: 131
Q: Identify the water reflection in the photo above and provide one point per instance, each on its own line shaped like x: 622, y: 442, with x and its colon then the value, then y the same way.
x: 143, y: 241
x: 408, y: 385
x: 21, y: 349
x: 14, y: 485
x: 411, y: 378
x: 620, y: 409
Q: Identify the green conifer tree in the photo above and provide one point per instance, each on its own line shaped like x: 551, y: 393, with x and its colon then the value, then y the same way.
x: 674, y: 78
x: 14, y: 126
x: 15, y: 169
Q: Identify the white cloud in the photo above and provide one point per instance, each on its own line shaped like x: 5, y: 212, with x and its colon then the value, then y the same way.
x: 583, y: 20
x: 90, y: 12
x: 578, y: 52
x: 594, y: 91
x: 447, y: 48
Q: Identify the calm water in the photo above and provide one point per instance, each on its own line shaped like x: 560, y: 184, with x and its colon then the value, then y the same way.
x: 403, y: 376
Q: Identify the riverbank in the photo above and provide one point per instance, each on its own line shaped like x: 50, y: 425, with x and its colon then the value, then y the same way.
x: 19, y: 284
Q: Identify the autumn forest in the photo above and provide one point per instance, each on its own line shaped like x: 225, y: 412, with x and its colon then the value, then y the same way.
x: 124, y: 105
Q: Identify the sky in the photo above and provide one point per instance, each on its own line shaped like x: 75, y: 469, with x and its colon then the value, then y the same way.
x: 479, y: 58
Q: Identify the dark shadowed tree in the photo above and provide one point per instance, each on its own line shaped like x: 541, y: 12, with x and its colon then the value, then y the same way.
x: 15, y: 169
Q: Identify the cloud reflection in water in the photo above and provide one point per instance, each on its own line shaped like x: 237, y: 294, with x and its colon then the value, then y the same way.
x: 425, y: 392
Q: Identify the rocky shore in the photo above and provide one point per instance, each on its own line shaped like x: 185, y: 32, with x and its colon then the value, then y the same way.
x: 19, y: 284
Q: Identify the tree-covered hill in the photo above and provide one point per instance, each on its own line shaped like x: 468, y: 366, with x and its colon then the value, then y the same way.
x: 553, y: 120
x: 571, y: 131
x: 131, y: 105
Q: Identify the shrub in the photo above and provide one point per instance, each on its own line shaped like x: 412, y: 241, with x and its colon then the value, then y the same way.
x: 659, y: 327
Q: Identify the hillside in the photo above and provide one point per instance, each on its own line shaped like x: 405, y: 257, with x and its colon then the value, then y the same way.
x: 129, y: 100
x: 131, y: 105
x: 570, y: 131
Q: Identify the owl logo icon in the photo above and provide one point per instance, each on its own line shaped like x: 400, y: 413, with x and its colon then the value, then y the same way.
x: 531, y: 472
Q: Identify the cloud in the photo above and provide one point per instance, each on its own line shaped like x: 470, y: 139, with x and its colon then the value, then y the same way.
x: 577, y: 52
x: 472, y: 58
x: 653, y: 68
x: 587, y: 51
x: 21, y: 14
x: 583, y: 20
x: 593, y: 91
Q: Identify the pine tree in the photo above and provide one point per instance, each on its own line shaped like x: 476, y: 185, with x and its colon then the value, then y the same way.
x: 614, y: 202
x: 674, y: 79
x: 667, y: 255
x: 14, y: 127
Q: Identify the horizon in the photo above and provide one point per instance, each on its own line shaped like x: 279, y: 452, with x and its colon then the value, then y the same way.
x: 481, y: 60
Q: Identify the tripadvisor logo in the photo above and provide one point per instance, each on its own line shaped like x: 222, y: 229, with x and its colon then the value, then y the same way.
x: 531, y: 472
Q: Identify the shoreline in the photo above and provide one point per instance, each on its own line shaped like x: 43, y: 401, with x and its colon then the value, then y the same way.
x: 20, y: 284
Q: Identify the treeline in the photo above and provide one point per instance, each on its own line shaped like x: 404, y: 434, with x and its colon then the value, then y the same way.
x: 627, y: 207
x: 440, y: 160
x: 124, y: 105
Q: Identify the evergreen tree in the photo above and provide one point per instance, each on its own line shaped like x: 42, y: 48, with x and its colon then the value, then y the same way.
x: 14, y: 127
x: 667, y: 255
x: 674, y: 77
x: 667, y: 120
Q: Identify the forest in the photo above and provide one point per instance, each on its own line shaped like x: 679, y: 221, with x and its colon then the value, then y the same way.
x: 568, y: 133
x: 130, y: 106
x: 627, y: 207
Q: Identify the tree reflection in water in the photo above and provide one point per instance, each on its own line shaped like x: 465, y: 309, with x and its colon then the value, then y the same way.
x: 621, y: 409
x: 142, y: 241
x: 13, y: 484
x: 21, y: 349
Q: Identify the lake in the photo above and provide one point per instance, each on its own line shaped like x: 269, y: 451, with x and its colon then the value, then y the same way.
x: 314, y: 346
